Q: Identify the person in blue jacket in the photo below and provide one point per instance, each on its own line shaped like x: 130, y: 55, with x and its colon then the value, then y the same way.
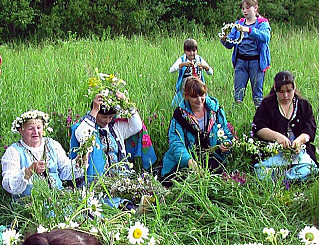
x: 251, y: 57
x: 198, y: 122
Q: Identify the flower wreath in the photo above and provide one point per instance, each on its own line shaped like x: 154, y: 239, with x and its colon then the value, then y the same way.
x: 33, y: 114
x: 227, y: 28
x: 108, y: 85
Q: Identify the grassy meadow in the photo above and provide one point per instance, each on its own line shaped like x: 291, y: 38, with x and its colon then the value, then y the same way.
x: 203, y: 209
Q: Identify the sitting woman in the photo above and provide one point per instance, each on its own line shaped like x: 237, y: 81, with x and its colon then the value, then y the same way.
x: 285, y: 117
x: 198, y: 123
x: 109, y: 135
x: 35, y: 155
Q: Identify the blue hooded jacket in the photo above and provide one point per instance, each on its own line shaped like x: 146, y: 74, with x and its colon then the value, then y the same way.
x: 261, y: 33
x: 182, y: 142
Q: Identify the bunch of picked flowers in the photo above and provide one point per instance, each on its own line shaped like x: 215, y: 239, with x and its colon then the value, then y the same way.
x: 108, y: 85
x: 133, y: 186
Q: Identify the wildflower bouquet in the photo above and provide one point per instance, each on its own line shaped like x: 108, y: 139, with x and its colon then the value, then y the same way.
x: 133, y: 186
x: 108, y: 85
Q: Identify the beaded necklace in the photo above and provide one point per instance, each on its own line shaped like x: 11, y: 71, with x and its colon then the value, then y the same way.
x: 282, y: 111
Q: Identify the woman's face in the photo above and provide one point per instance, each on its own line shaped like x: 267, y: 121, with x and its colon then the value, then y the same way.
x: 31, y: 132
x: 249, y: 12
x: 196, y: 102
x: 285, y: 94
x: 103, y: 120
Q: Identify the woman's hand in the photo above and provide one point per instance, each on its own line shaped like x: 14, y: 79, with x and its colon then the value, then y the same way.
x: 37, y: 167
x: 120, y: 95
x: 203, y: 67
x: 224, y: 147
x: 243, y: 28
x: 192, y: 164
x: 97, y: 101
x: 283, y: 140
x: 301, y: 139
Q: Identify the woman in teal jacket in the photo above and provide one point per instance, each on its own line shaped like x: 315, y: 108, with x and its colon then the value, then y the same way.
x: 198, y: 123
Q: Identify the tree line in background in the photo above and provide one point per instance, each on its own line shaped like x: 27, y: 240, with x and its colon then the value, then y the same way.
x: 25, y: 19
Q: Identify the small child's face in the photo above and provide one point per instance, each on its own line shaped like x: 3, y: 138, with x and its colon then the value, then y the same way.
x: 190, y: 54
x: 249, y: 11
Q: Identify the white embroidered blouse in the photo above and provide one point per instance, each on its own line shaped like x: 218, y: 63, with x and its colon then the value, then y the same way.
x: 13, y: 176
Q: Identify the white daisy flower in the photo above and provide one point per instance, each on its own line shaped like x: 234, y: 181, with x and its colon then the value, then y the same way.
x: 284, y: 233
x: 220, y: 133
x: 41, y: 229
x: 152, y: 241
x: 137, y: 233
x: 309, y: 235
x: 62, y: 225
x: 117, y: 236
x: 95, y: 206
x: 94, y: 230
x: 9, y: 236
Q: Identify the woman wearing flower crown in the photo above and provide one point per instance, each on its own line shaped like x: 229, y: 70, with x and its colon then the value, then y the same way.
x: 35, y: 156
x: 251, y: 57
x: 109, y: 135
x: 285, y: 117
x: 198, y: 123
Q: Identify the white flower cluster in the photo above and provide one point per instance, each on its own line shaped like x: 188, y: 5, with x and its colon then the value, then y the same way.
x: 227, y: 28
x: 24, y: 117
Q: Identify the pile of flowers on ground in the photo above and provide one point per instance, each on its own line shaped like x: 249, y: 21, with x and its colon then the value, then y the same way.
x: 133, y: 186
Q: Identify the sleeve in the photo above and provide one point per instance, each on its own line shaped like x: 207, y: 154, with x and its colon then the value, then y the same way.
x: 309, y: 126
x: 13, y: 180
x: 177, y: 143
x: 86, y: 128
x: 262, y: 118
x: 175, y: 66
x: 261, y: 34
x: 130, y: 127
x: 210, y: 70
x: 66, y: 166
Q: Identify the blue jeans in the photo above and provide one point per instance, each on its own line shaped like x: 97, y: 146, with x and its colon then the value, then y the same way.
x: 245, y: 70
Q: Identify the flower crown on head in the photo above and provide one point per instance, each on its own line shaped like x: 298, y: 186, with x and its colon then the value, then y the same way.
x: 24, y: 117
x: 108, y: 85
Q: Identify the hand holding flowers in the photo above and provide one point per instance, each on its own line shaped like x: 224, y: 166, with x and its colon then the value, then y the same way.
x: 109, y: 91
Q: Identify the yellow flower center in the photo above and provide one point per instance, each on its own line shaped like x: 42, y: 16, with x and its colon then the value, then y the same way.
x: 309, y: 236
x: 137, y: 233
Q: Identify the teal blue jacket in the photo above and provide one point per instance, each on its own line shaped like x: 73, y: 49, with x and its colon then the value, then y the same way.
x: 182, y: 142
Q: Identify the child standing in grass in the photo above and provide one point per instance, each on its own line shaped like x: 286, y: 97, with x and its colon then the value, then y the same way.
x: 189, y: 64
x: 251, y: 57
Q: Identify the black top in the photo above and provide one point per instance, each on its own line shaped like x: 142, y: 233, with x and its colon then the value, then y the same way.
x: 301, y: 121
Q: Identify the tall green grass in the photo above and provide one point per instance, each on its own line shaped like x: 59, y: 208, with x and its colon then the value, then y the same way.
x: 52, y: 77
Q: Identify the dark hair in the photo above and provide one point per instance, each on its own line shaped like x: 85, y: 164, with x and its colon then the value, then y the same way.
x: 62, y: 237
x: 190, y: 44
x: 104, y: 110
x: 194, y: 86
x: 283, y: 78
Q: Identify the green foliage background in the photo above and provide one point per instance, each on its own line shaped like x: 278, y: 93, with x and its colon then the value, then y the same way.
x: 40, y: 19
